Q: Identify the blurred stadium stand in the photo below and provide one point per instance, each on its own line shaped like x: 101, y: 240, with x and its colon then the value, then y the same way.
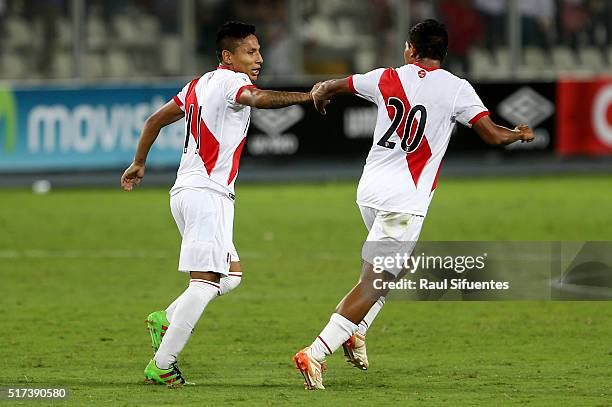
x: 153, y: 42
x: 117, y: 39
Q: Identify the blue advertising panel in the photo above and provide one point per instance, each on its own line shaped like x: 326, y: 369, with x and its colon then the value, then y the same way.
x: 93, y: 128
x: 84, y: 128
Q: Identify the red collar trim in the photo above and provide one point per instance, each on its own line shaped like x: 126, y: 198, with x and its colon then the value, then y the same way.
x: 428, y: 69
x: 224, y: 67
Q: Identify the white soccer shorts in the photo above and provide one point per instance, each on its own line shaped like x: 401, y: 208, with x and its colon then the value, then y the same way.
x: 389, y: 234
x: 234, y: 254
x: 205, y: 219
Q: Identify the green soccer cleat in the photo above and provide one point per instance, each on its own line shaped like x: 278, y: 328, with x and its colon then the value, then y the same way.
x: 171, y: 377
x: 157, y: 324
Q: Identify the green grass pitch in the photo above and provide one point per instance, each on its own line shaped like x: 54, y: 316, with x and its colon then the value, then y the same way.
x: 80, y: 270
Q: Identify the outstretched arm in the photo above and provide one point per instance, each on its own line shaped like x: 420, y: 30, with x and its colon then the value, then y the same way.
x: 496, y: 135
x: 271, y: 99
x: 167, y: 114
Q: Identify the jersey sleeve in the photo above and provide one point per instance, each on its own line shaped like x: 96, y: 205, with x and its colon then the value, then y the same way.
x: 233, y: 88
x: 366, y: 85
x: 468, y: 106
x: 179, y: 98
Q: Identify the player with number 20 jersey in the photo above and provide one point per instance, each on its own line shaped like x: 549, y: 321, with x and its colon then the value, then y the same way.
x: 418, y: 106
x: 417, y: 110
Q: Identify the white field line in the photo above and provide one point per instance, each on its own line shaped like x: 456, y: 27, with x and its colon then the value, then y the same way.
x: 80, y: 254
x: 144, y: 254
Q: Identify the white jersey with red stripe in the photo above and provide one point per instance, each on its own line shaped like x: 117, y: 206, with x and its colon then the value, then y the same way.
x: 215, y: 130
x: 417, y: 110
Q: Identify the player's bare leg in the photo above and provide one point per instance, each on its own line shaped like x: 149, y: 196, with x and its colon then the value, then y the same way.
x: 356, y: 304
x: 205, y: 275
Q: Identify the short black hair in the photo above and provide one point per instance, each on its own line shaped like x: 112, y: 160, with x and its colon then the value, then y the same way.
x: 430, y: 39
x: 230, y: 34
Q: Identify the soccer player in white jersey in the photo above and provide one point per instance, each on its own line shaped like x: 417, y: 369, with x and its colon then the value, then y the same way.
x: 418, y: 106
x: 217, y: 109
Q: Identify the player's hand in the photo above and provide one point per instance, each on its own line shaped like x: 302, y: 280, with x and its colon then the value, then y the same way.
x: 525, y: 132
x: 318, y: 97
x: 315, y: 87
x: 132, y: 176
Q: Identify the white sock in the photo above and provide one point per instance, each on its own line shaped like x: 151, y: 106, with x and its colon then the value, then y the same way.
x: 172, y: 307
x: 230, y: 282
x: 227, y: 284
x: 335, y: 333
x: 186, y: 314
x: 370, y: 316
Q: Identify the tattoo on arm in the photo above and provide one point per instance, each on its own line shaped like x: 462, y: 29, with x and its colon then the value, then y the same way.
x: 270, y: 99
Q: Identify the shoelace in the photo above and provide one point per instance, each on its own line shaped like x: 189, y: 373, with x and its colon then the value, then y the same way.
x: 176, y: 370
